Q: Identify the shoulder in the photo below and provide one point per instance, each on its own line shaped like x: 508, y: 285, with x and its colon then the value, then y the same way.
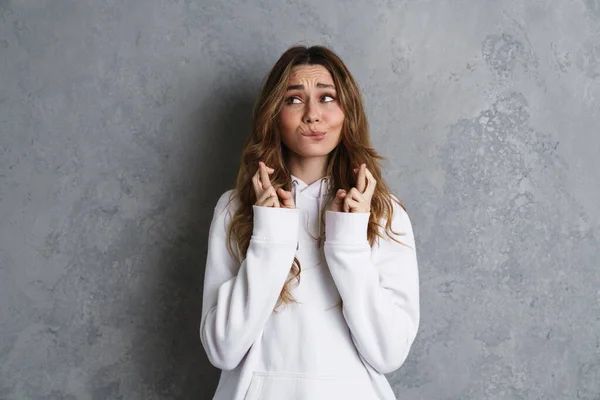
x: 401, y: 225
x: 400, y: 215
x: 225, y: 198
x: 227, y: 201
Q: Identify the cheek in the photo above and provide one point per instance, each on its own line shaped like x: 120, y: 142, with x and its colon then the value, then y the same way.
x: 287, y: 120
x: 336, y: 118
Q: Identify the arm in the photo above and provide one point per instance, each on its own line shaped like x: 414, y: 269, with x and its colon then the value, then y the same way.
x: 238, y: 299
x: 379, y: 289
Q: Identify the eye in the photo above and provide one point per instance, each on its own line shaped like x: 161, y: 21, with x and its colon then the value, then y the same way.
x: 328, y: 95
x: 290, y: 100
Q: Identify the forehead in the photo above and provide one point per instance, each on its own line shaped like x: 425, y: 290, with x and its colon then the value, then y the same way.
x: 317, y: 73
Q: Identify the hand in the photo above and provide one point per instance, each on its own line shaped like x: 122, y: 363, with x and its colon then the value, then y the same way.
x: 358, y: 199
x: 266, y: 194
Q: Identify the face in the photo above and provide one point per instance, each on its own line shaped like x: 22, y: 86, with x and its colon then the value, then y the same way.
x: 310, y: 118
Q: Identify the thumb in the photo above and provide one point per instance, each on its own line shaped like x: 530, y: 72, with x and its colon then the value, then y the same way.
x: 286, y: 197
x: 338, y: 203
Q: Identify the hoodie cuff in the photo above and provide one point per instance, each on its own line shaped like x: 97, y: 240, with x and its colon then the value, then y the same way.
x: 275, y: 224
x: 346, y: 228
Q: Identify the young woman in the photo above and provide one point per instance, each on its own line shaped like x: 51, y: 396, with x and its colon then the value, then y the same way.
x: 311, y: 288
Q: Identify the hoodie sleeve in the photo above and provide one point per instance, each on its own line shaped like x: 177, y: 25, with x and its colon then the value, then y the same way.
x: 239, y: 298
x: 379, y: 285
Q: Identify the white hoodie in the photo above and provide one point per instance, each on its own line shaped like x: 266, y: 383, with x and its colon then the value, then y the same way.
x: 316, y: 348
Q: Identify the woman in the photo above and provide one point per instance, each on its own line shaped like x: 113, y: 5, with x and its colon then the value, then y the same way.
x: 311, y: 288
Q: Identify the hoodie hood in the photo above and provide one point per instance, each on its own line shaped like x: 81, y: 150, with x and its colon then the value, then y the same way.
x: 317, y: 190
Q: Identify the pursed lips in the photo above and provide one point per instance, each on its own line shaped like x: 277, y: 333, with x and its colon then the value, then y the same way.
x: 313, y: 133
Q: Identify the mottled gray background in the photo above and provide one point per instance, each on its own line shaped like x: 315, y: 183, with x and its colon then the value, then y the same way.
x: 121, y: 123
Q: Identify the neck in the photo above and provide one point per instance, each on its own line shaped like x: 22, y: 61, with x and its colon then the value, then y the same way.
x: 309, y: 169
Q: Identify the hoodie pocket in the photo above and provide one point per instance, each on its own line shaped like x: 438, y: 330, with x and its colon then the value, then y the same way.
x: 296, y: 386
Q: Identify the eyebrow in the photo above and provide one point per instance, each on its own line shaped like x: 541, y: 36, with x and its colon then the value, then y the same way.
x: 319, y: 85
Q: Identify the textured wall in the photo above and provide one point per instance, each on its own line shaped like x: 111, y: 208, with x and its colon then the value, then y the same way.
x: 121, y: 123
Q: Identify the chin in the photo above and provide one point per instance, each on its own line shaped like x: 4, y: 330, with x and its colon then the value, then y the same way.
x: 316, y: 152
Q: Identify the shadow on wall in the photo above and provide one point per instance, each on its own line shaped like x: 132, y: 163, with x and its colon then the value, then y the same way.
x: 168, y: 352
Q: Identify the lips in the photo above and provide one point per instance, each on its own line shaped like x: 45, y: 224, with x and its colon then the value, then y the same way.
x: 313, y: 133
x: 316, y: 136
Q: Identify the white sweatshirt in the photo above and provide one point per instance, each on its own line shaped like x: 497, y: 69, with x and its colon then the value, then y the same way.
x: 312, y: 349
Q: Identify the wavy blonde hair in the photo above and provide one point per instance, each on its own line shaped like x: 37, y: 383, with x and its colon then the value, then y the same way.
x: 264, y: 144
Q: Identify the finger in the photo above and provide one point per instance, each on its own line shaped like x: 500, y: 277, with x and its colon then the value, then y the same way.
x: 269, y: 202
x: 361, y: 181
x: 264, y: 176
x: 346, y: 205
x: 265, y: 198
x: 269, y: 169
x: 256, y: 180
x: 370, y: 186
x: 256, y: 183
x: 262, y: 197
x: 355, y: 195
x: 286, y: 198
x: 338, y: 201
x: 340, y: 198
x: 274, y: 200
x: 357, y: 201
x: 349, y: 204
x: 283, y: 194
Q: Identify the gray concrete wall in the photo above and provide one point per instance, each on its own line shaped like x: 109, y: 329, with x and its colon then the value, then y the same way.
x: 121, y: 123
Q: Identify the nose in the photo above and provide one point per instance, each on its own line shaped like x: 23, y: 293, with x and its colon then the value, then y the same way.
x: 312, y: 112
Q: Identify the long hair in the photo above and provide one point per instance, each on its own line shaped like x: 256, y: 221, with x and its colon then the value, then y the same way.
x: 264, y: 144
